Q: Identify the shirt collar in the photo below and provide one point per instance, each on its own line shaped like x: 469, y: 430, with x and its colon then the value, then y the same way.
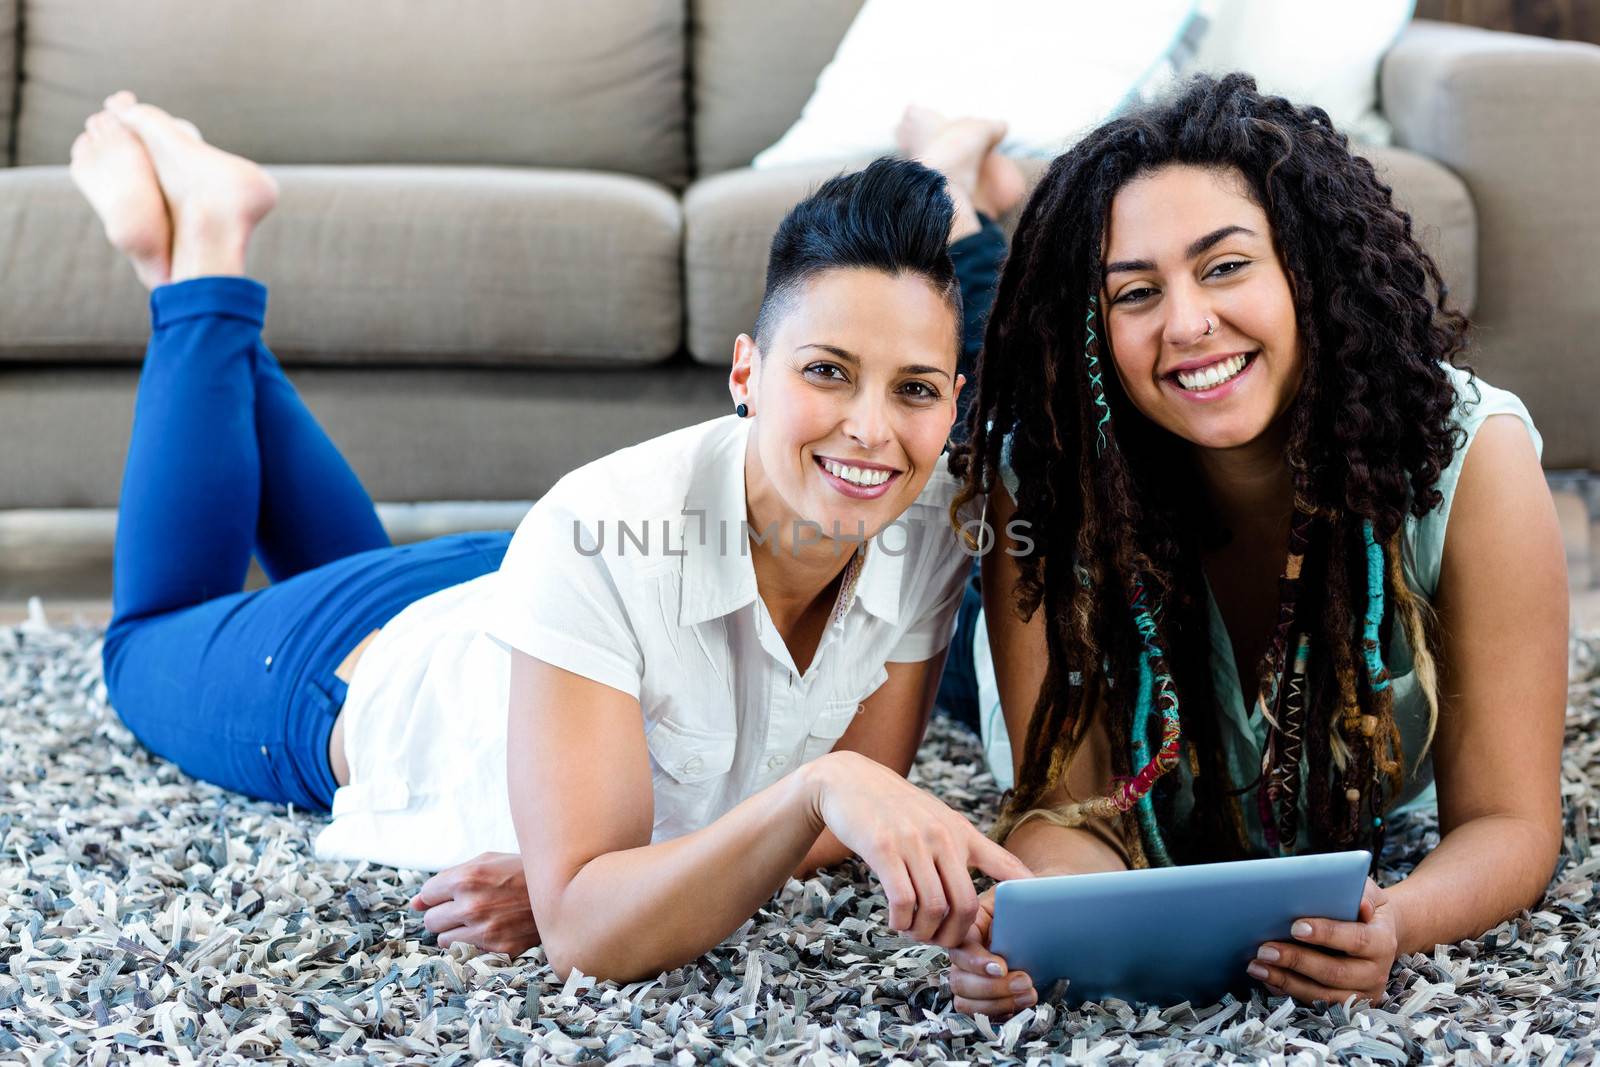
x: 718, y: 575
x: 878, y: 588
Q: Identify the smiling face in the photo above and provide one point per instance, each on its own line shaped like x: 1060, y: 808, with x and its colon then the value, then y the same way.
x: 1188, y: 251
x: 853, y: 400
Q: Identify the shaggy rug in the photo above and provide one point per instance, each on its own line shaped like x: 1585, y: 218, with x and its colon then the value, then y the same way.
x: 145, y: 916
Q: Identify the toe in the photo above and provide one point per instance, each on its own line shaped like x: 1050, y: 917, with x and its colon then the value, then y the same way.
x: 148, y: 117
x: 146, y: 120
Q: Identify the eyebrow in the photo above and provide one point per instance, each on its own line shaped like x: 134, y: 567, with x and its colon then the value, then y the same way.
x: 1196, y: 247
x: 854, y: 361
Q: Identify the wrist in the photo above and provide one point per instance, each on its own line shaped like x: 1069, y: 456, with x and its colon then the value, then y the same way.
x: 813, y: 781
x: 1396, y: 899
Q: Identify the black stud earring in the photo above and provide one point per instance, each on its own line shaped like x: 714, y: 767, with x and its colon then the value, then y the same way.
x: 741, y: 410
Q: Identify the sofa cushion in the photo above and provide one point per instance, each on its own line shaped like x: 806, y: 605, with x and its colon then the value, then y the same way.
x: 380, y: 264
x: 1515, y: 117
x: 411, y: 433
x: 1443, y: 216
x: 729, y: 221
x: 585, y: 85
x: 755, y: 67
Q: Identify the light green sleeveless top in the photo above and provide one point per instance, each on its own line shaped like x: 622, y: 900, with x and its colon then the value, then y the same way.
x: 1244, y: 731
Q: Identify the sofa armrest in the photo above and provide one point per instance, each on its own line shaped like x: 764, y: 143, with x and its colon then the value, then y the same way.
x: 1514, y: 116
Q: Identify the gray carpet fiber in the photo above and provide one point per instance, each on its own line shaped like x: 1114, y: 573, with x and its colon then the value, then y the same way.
x: 145, y: 916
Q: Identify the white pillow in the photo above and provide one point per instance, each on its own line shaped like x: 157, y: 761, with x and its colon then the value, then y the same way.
x: 1052, y: 69
x: 1313, y: 53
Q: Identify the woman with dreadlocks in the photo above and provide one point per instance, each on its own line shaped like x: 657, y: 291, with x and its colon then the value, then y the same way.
x: 1220, y: 387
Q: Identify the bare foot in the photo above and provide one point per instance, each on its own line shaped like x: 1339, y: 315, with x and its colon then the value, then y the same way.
x: 1000, y: 185
x: 216, y: 199
x: 956, y: 148
x: 111, y: 169
x: 994, y: 185
x: 917, y: 127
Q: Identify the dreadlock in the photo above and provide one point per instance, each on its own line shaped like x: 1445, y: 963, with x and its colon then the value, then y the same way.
x: 1118, y: 526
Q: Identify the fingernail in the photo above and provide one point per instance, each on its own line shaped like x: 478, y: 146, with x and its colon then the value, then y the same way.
x: 1256, y: 971
x: 1268, y: 953
x: 994, y: 969
x: 1020, y: 982
x: 1301, y: 929
x: 1026, y: 1000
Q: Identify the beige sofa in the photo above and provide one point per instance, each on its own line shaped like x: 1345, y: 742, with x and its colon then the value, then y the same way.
x: 514, y: 235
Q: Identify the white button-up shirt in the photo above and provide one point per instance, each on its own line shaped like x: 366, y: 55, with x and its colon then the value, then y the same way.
x: 634, y: 571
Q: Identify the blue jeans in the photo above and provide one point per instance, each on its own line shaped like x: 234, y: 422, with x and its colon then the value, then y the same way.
x: 225, y: 460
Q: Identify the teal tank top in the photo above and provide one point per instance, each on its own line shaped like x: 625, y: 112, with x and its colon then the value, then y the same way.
x: 1244, y: 731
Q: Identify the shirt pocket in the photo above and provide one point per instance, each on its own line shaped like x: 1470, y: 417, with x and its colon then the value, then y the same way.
x: 690, y: 766
x: 830, y: 725
x: 837, y: 715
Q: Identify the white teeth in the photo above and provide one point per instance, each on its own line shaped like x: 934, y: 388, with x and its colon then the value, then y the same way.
x: 1214, y: 375
x: 856, y: 475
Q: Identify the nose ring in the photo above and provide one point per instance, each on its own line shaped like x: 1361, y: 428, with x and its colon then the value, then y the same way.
x: 1211, y: 327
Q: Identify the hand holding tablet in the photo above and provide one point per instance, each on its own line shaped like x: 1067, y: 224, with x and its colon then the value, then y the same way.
x: 1167, y: 934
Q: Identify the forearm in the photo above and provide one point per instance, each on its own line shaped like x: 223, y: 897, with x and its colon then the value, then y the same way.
x: 1483, y: 872
x: 634, y: 913
x: 1050, y: 849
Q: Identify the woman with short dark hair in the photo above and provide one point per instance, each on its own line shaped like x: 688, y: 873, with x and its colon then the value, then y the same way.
x: 717, y: 672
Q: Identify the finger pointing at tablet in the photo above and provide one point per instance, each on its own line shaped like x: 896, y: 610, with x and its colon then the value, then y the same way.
x: 920, y: 848
x: 975, y: 850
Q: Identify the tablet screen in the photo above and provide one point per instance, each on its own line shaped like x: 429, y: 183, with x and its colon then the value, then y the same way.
x: 1166, y: 934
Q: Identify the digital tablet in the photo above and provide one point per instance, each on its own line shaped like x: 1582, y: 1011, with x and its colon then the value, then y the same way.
x: 1167, y: 934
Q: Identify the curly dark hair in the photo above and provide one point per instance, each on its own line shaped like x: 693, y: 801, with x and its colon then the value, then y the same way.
x: 1117, y: 519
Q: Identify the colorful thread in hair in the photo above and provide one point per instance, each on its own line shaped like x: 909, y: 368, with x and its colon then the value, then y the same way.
x: 1293, y: 742
x: 1275, y: 662
x: 1156, y: 686
x: 1141, y: 758
x: 1279, y: 790
x: 1159, y: 690
x: 1096, y: 387
x: 1377, y: 677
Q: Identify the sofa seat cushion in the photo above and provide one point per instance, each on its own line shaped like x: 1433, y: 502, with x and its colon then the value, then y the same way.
x: 411, y: 433
x: 380, y: 264
x: 593, y: 86
x: 729, y: 220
